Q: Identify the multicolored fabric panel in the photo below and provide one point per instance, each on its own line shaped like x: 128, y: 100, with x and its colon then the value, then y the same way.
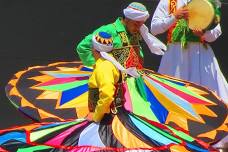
x: 122, y: 132
x: 59, y: 92
x: 55, y: 92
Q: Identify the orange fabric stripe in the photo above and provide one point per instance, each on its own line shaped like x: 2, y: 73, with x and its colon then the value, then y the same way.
x: 125, y: 137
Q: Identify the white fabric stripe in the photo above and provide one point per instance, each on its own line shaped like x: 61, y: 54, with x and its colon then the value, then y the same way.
x: 90, y: 136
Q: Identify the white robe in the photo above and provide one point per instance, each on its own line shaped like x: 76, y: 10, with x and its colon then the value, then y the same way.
x: 195, y: 63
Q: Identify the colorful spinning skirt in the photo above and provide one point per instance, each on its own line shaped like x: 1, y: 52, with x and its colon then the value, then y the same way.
x: 59, y: 92
x: 124, y: 132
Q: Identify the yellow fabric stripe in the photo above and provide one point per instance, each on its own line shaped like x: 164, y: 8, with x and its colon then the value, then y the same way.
x: 125, y: 137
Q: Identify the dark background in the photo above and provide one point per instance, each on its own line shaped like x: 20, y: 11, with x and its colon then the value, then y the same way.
x: 39, y: 32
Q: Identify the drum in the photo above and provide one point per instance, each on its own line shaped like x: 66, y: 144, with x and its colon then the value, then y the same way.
x: 201, y: 14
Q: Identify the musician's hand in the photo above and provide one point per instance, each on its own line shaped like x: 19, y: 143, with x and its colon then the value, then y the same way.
x: 89, y: 117
x: 198, y: 32
x: 181, y: 13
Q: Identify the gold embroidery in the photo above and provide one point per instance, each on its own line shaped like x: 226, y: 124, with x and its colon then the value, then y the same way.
x: 127, y: 56
x: 134, y: 39
x: 124, y: 38
x: 121, y: 54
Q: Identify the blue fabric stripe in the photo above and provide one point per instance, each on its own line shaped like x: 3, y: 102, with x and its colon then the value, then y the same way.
x: 178, y: 83
x: 160, y: 111
x: 73, y: 93
x: 86, y: 69
x: 51, y: 125
x: 154, y: 135
x: 59, y: 123
x: 65, y: 75
x: 198, y: 149
x: 19, y: 136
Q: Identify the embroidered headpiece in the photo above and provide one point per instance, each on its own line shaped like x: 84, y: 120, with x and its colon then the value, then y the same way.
x: 102, y: 42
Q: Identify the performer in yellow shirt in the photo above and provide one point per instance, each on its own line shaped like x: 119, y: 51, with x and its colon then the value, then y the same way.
x: 105, y: 82
x: 103, y: 79
x: 102, y: 83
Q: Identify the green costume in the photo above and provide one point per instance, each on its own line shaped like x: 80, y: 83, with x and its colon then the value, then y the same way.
x: 120, y: 38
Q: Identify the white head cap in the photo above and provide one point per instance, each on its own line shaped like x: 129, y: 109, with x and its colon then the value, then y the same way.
x: 102, y: 42
x: 136, y: 11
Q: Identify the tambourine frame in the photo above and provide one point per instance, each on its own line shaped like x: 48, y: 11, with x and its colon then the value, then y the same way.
x: 202, y: 15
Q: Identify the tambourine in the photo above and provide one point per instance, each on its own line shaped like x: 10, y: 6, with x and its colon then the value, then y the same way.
x: 201, y: 14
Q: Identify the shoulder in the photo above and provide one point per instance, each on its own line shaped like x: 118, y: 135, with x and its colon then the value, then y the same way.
x: 106, y: 69
x: 164, y: 3
x: 105, y: 65
x: 109, y: 28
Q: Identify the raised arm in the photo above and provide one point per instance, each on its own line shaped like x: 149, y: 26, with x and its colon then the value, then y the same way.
x: 212, y: 35
x: 161, y: 20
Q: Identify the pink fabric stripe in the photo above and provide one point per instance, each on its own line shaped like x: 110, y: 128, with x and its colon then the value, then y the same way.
x: 3, y: 150
x: 58, y: 139
x: 127, y: 104
x: 187, y: 97
x: 62, y: 81
x: 85, y: 149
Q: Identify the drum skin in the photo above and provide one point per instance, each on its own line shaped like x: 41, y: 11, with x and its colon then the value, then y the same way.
x: 201, y: 14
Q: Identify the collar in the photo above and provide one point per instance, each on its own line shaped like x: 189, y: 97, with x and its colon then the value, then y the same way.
x: 120, y: 27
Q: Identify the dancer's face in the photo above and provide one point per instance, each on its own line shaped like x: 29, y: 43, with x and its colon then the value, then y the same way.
x: 133, y: 26
x: 96, y: 54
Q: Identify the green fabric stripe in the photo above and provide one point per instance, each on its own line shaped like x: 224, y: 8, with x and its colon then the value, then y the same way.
x: 180, y: 88
x: 41, y: 133
x: 141, y: 88
x: 65, y: 86
x: 182, y: 134
x: 139, y: 105
x: 13, y: 102
x: 32, y: 149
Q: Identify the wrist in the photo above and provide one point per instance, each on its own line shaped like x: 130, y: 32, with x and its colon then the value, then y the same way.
x: 202, y: 39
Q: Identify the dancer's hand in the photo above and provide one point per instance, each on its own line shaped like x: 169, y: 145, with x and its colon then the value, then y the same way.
x: 181, y: 13
x: 198, y: 32
x: 89, y: 117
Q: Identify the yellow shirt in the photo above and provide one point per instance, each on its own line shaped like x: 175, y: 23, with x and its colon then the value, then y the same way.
x: 104, y: 77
